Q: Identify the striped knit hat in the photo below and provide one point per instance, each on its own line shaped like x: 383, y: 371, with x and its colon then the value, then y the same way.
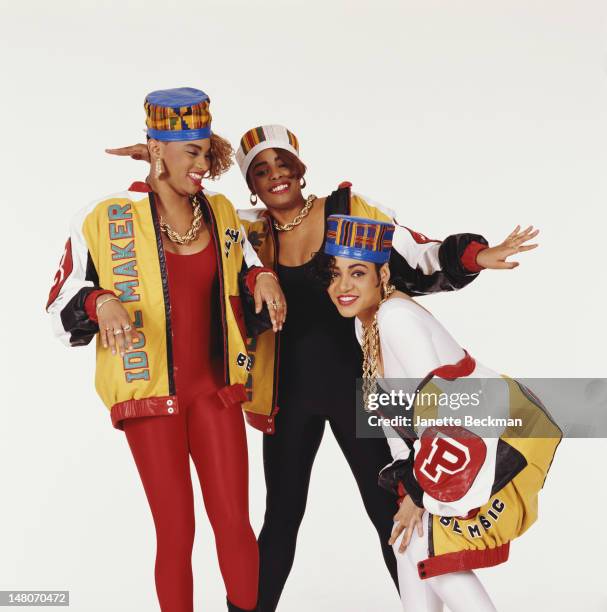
x: 178, y: 114
x: 359, y: 238
x: 261, y: 138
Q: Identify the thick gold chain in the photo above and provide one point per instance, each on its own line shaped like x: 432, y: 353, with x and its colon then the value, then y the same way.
x: 305, y: 211
x: 371, y: 351
x: 194, y: 230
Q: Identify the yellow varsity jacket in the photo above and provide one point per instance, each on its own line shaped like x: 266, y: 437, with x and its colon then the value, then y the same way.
x: 115, y: 243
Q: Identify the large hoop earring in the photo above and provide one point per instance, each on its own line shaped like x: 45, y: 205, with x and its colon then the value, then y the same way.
x: 302, y: 183
x: 253, y: 201
x: 159, y: 168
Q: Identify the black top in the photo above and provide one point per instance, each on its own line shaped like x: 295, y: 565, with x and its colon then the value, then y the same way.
x: 320, y: 357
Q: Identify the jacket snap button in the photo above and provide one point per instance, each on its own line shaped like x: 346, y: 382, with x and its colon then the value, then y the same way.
x: 170, y: 410
x: 422, y: 565
x: 270, y: 420
x: 169, y: 402
x: 269, y: 430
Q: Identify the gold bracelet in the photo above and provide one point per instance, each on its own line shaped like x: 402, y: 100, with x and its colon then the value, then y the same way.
x: 272, y: 274
x: 110, y: 299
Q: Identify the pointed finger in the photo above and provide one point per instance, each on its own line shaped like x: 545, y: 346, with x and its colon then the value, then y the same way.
x: 121, y: 151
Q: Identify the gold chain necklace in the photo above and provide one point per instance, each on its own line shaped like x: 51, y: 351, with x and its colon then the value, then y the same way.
x: 305, y: 211
x: 371, y: 351
x: 194, y: 230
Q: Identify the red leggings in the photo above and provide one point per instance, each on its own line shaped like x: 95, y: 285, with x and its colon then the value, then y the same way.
x: 215, y: 438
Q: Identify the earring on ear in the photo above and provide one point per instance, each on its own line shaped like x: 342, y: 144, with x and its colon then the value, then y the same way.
x: 253, y: 201
x: 302, y: 184
x: 387, y: 290
x: 159, y: 168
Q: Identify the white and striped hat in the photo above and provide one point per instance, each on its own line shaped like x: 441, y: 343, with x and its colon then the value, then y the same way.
x: 261, y: 138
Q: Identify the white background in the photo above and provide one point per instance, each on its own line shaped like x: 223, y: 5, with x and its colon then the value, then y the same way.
x: 464, y: 116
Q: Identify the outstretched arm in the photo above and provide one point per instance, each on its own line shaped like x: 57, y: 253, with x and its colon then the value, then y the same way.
x: 420, y: 265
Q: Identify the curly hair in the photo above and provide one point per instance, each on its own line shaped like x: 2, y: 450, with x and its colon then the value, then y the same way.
x: 291, y: 161
x: 221, y: 156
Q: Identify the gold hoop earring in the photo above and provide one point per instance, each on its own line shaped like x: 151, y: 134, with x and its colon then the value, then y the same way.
x: 253, y: 201
x: 387, y: 290
x: 159, y: 168
x: 302, y: 184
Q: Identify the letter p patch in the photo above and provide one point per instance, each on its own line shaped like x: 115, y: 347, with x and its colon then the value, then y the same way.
x: 448, y: 461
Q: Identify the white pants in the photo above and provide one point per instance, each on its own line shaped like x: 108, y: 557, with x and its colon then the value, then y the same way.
x: 459, y: 591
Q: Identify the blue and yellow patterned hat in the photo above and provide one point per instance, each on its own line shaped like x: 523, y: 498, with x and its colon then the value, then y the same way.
x: 178, y: 114
x: 359, y: 238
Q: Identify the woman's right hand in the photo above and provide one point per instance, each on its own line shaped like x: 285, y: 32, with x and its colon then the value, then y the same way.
x: 138, y: 151
x: 113, y: 316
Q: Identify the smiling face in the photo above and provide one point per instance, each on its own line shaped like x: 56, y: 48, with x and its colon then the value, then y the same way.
x: 274, y: 177
x: 355, y: 287
x: 185, y: 163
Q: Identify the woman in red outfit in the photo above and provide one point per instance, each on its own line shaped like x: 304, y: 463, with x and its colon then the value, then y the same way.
x: 203, y: 260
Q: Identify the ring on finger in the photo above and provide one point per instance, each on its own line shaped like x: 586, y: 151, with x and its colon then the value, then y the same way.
x: 127, y: 327
x: 117, y: 332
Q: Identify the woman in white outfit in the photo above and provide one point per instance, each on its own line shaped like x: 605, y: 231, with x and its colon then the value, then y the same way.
x: 464, y: 493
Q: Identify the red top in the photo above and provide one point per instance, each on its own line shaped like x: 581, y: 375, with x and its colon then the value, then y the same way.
x: 195, y: 322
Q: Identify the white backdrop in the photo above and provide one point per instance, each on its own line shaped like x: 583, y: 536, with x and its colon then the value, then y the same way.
x: 463, y: 116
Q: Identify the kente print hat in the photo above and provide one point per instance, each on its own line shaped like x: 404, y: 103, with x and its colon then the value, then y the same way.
x: 359, y: 238
x: 178, y: 114
x: 264, y: 137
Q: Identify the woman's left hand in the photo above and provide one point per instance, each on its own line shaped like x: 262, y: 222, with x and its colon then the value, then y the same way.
x: 268, y: 290
x: 408, y: 517
x: 495, y: 257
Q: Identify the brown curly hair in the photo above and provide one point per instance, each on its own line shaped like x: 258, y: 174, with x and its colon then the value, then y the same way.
x: 291, y: 161
x: 222, y: 155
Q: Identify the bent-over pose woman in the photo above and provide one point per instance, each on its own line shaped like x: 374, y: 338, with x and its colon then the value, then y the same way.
x: 465, y: 492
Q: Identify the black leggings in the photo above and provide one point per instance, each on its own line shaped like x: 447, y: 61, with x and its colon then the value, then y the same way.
x: 288, y: 458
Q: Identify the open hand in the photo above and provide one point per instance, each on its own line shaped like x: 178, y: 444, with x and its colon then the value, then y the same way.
x: 495, y: 257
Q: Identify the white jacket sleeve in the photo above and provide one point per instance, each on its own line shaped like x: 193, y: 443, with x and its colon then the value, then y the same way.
x: 75, y: 279
x: 451, y: 470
